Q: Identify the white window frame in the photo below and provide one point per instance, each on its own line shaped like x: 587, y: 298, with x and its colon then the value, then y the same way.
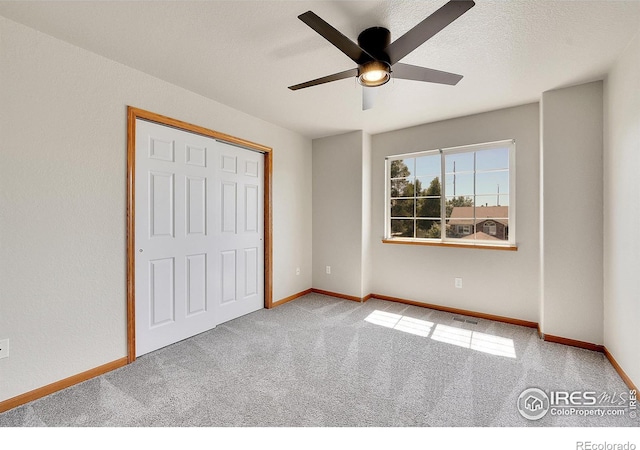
x: 511, y: 242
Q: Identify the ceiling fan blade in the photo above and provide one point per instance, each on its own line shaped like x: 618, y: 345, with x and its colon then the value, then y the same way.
x: 369, y: 96
x: 336, y: 76
x: 343, y: 43
x: 426, y: 29
x: 409, y: 72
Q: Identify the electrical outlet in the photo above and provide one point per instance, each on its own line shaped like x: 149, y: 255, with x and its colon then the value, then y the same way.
x: 297, y: 270
x: 328, y: 270
x: 458, y: 283
x: 4, y: 348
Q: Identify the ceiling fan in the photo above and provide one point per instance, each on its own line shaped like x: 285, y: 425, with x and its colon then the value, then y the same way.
x: 377, y: 57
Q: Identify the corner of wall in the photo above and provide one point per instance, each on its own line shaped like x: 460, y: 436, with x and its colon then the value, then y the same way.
x: 571, y: 170
x: 621, y: 247
x: 338, y: 195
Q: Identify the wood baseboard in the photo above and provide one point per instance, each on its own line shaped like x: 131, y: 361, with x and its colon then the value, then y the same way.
x: 595, y: 348
x: 573, y: 343
x: 27, y: 397
x: 621, y: 372
x: 338, y: 295
x: 464, y: 312
x: 290, y: 298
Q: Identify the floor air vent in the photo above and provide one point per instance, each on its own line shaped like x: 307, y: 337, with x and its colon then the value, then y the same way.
x: 460, y: 319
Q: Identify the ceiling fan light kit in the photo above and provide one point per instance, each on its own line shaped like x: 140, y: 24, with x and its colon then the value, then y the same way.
x: 374, y: 73
x: 377, y: 57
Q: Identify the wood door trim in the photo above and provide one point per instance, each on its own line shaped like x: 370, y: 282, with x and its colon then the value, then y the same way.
x: 137, y: 113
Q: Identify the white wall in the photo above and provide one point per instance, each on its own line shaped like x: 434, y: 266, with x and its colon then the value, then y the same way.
x: 572, y: 205
x: 63, y: 198
x: 337, y: 213
x: 622, y: 211
x: 495, y: 282
x: 367, y: 205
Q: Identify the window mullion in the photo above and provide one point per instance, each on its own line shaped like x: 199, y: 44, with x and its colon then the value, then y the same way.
x: 443, y: 203
x: 387, y: 195
x: 475, y: 231
x: 415, y: 199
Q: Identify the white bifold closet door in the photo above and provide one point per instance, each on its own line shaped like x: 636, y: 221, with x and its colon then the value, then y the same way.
x: 199, y: 228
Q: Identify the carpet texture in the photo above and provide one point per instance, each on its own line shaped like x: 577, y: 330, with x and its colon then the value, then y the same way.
x: 325, y: 362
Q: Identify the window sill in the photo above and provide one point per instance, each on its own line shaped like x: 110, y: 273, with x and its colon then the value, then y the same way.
x: 511, y: 248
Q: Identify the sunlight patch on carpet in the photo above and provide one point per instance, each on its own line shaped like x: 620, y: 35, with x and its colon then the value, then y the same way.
x: 486, y: 343
x: 400, y: 323
x: 473, y: 340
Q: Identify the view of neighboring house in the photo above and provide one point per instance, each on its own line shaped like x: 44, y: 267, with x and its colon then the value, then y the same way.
x: 483, y: 222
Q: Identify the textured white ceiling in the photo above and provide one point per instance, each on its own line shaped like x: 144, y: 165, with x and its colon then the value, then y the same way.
x: 245, y: 53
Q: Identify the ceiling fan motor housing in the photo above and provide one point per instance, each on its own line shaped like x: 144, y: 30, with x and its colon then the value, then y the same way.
x: 374, y: 41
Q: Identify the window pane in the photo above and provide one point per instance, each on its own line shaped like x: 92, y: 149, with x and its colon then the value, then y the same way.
x: 460, y: 206
x: 492, y: 159
x: 402, y: 228
x: 460, y: 229
x: 428, y: 207
x: 488, y: 201
x: 492, y: 229
x: 428, y: 165
x: 428, y: 186
x: 402, y: 187
x: 486, y: 212
x: 402, y: 208
x: 429, y: 229
x: 461, y: 221
x: 492, y: 183
x: 458, y: 162
x: 402, y: 168
x: 459, y: 184
x: 492, y: 222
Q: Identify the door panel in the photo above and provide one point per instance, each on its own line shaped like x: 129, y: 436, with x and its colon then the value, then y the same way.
x: 162, y: 295
x: 161, y: 204
x: 228, y: 210
x: 196, y: 284
x: 250, y: 271
x: 163, y: 150
x: 228, y: 276
x: 196, y: 205
x: 241, y: 210
x: 196, y: 156
x: 251, y: 208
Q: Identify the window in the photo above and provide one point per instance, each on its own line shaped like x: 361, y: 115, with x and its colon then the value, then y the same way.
x: 463, y: 195
x: 489, y: 227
